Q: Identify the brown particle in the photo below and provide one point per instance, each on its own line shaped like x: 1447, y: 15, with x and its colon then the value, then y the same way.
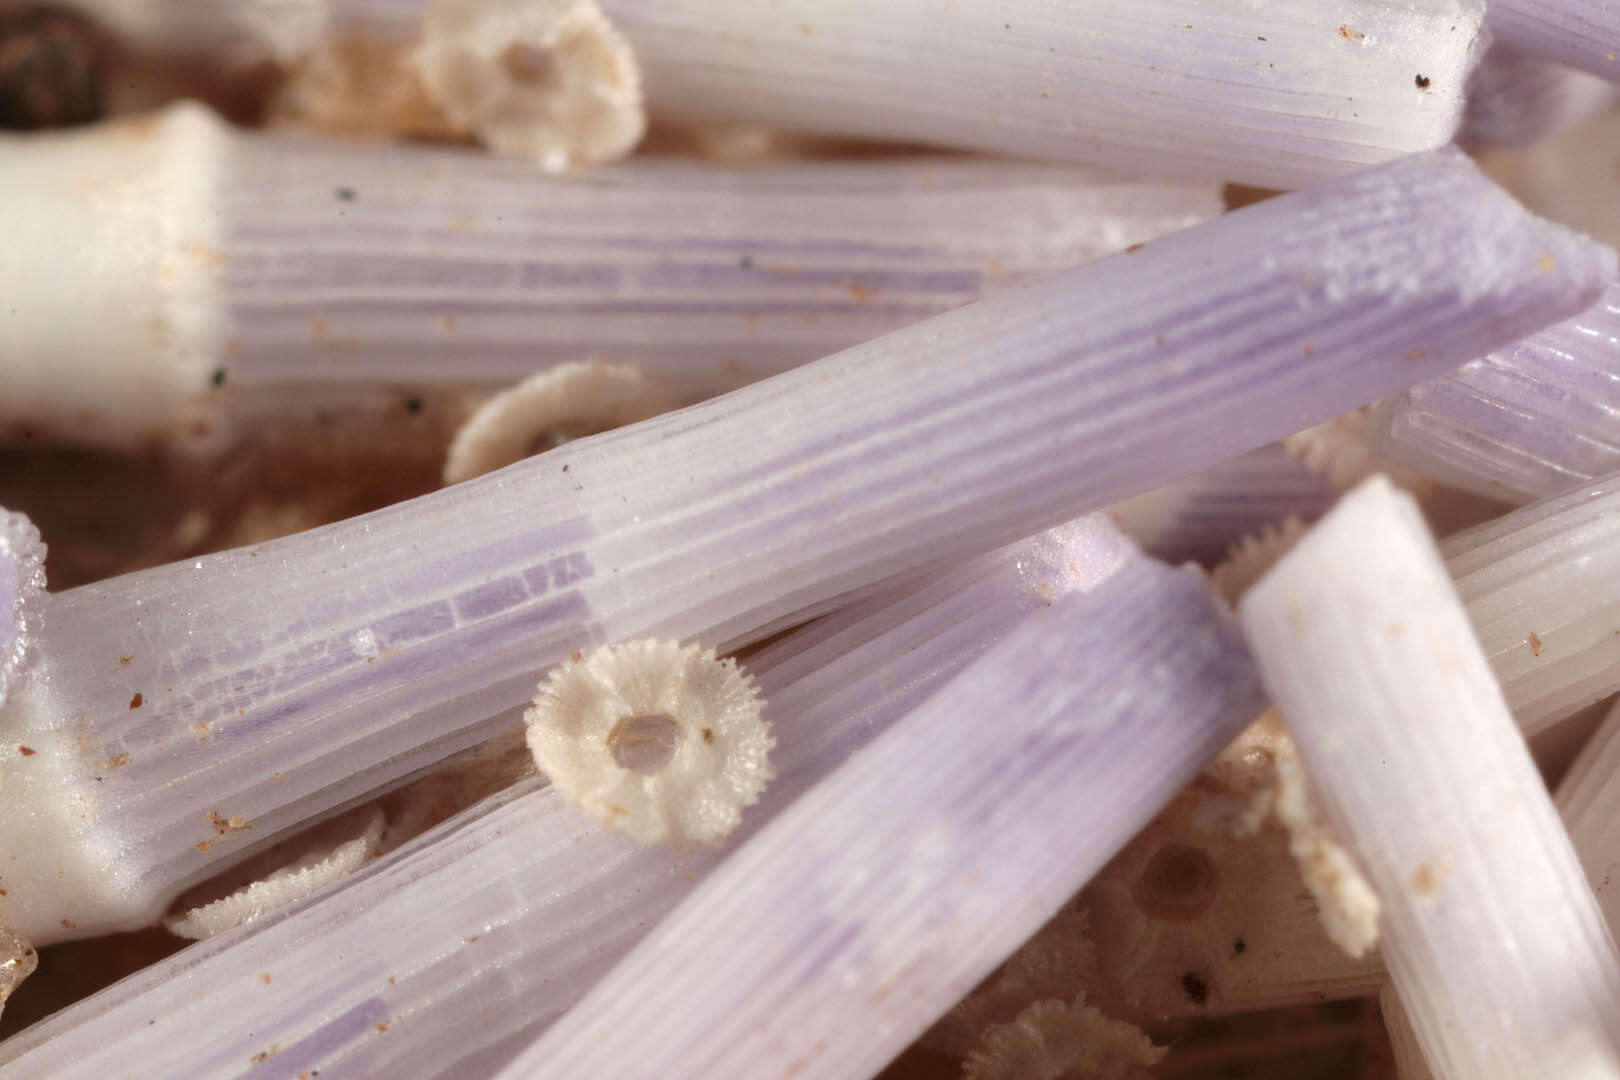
x: 135, y: 702
x: 117, y: 761
x: 1310, y: 348
x: 1417, y: 356
x: 578, y: 655
x: 1535, y: 644
x: 708, y: 736
x: 382, y: 1027
x: 1134, y: 248
x: 469, y: 939
x: 264, y: 977
x: 1422, y: 82
x: 860, y: 293
x: 69, y: 924
x: 199, y: 731
x: 1426, y: 880
x: 125, y: 661
x: 27, y: 751
x: 1196, y: 987
x: 1349, y: 34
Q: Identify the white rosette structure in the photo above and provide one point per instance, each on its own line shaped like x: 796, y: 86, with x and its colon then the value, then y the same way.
x: 660, y: 741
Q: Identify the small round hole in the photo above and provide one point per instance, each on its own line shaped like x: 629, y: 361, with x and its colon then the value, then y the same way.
x: 644, y: 744
x: 528, y: 65
x: 1179, y: 883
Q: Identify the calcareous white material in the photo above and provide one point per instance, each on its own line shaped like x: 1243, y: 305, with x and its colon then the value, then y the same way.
x: 140, y: 316
x: 550, y: 408
x: 547, y: 80
x: 598, y: 722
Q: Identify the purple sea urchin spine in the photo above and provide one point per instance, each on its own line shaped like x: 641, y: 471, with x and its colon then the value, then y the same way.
x: 276, y: 277
x: 1531, y: 421
x: 838, y: 933
x: 1278, y: 95
x: 1367, y: 650
x: 523, y: 902
x: 269, y: 686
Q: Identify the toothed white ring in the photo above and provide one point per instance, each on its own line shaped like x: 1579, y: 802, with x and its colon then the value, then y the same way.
x: 588, y: 713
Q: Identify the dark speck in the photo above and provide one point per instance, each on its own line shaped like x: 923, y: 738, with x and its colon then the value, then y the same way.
x: 1422, y: 82
x: 347, y: 194
x: 1196, y: 989
x: 1259, y: 38
x: 413, y: 405
x: 1239, y: 947
x: 565, y: 468
x: 746, y: 262
x: 135, y: 702
x: 219, y: 376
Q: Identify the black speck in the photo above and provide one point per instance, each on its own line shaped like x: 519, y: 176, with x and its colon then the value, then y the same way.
x: 413, y: 405
x: 347, y: 194
x: 218, y: 378
x: 1006, y: 26
x: 1239, y: 947
x: 565, y: 468
x: 746, y: 262
x: 1422, y: 82
x: 1196, y: 989
x: 1257, y: 37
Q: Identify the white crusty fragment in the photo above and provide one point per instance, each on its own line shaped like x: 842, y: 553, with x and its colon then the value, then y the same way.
x: 1345, y: 902
x: 1489, y: 930
x: 660, y: 741
x: 302, y: 877
x: 22, y: 580
x: 546, y: 81
x: 1059, y: 1040
x: 548, y: 409
x: 550, y: 81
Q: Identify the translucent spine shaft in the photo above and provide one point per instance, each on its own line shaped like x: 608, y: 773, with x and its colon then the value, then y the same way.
x: 1279, y: 96
x: 1539, y: 585
x: 356, y: 268
x: 841, y: 930
x: 1589, y: 799
x: 1064, y: 396
x: 285, y: 276
x: 1581, y: 33
x: 557, y: 899
x: 1531, y: 421
x: 1201, y: 516
x: 1516, y: 98
x: 1409, y: 1063
x: 1365, y: 647
x: 381, y: 645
